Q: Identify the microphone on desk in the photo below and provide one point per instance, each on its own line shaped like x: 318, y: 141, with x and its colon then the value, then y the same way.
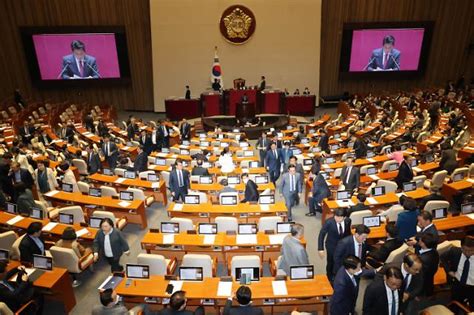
x: 64, y: 69
x: 370, y: 61
x: 96, y: 73
x: 398, y: 66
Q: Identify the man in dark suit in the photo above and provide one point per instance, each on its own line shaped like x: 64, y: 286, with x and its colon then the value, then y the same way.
x: 141, y: 161
x: 263, y: 84
x: 19, y: 175
x: 244, y: 298
x: 412, y: 285
x: 177, y: 306
x: 164, y: 135
x: 199, y: 169
x: 333, y: 230
x: 262, y: 145
x: 435, y: 194
x: 361, y: 198
x: 430, y: 258
x: 319, y: 191
x: 286, y: 153
x: 110, y: 151
x: 89, y: 122
x: 45, y: 138
x: 67, y: 132
x: 179, y: 181
x: 360, y: 147
x: 405, y: 172
x: 26, y: 132
x: 187, y: 95
x: 378, y: 255
x: 132, y: 128
x: 346, y: 287
x: 251, y: 189
x: 386, y: 58
x: 425, y: 223
x: 350, y: 175
x: 92, y: 160
x: 145, y: 142
x: 273, y: 160
x: 323, y: 141
x: 352, y: 245
x: 459, y: 266
x: 78, y: 65
x: 185, y: 130
x: 216, y: 86
x: 32, y: 243
x: 384, y: 297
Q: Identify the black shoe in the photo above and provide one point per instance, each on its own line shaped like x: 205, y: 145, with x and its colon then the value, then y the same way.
x: 310, y: 214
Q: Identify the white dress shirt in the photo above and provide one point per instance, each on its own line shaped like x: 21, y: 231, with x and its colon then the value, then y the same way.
x: 470, y: 276
x: 408, y: 275
x: 348, y: 174
x: 389, y: 299
x: 356, y: 247
x: 339, y: 226
x: 107, y: 247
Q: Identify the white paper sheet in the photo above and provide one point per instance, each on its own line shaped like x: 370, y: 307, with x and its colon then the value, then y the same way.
x: 49, y: 226
x: 177, y: 285
x: 246, y: 239
x: 265, y: 207
x: 371, y: 160
x: 400, y: 194
x: 162, y: 154
x: 81, y: 232
x: 279, y: 288
x: 224, y: 288
x: 124, y: 204
x: 178, y: 207
x: 168, y: 238
x: 277, y: 239
x: 125, y: 148
x: 372, y: 200
x: 471, y: 180
x: 120, y: 180
x: 155, y: 185
x: 374, y: 177
x: 51, y: 193
x: 14, y: 220
x: 209, y: 239
x: 343, y: 204
x: 470, y: 216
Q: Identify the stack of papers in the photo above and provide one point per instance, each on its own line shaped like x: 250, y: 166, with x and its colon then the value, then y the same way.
x: 374, y: 177
x: 168, y: 238
x: 209, y: 239
x: 48, y: 227
x: 81, y: 232
x: 120, y: 180
x: 14, y: 220
x: 342, y: 204
x: 417, y: 169
x: 372, y: 200
x: 124, y: 204
x: 178, y: 207
x: 265, y: 207
x: 246, y: 239
x: 279, y: 288
x: 177, y: 285
x: 224, y: 288
x: 277, y: 239
x: 155, y: 185
x: 51, y: 193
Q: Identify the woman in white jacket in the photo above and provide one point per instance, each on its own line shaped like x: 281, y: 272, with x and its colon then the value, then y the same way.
x: 225, y: 161
x: 69, y: 177
x: 45, y: 178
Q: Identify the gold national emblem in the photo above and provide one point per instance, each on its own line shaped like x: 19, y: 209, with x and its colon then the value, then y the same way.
x: 237, y: 24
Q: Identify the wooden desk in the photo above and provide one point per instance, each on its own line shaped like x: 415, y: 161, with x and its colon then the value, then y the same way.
x: 159, y: 192
x: 207, y: 211
x: 451, y: 189
x: 318, y: 123
x: 238, y: 187
x: 313, y: 293
x: 134, y: 212
x: 56, y: 283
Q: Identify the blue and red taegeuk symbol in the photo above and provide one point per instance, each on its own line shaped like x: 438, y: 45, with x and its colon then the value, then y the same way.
x: 216, y: 71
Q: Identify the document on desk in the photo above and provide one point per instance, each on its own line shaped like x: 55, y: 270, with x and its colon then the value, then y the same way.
x: 371, y: 160
x: 124, y: 204
x: 265, y: 207
x: 277, y: 239
x: 155, y: 185
x: 374, y: 177
x: 417, y: 169
x: 178, y: 207
x: 48, y: 227
x: 168, y: 238
x: 470, y: 216
x: 209, y: 239
x: 372, y: 200
x: 82, y: 232
x: 279, y: 287
x: 14, y: 220
x: 120, y: 180
x: 51, y: 193
x: 177, y: 285
x: 162, y: 155
x: 342, y: 203
x: 246, y: 239
x: 399, y: 194
x: 224, y: 288
x: 471, y: 180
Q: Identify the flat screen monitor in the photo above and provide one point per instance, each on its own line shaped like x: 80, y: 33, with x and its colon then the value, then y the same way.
x: 129, y: 175
x: 371, y: 221
x: 343, y: 194
x: 307, y: 162
x: 266, y: 199
x: 233, y: 180
x: 284, y: 227
x: 296, y: 151
x: 414, y: 162
x: 191, y: 199
x: 228, y: 200
x: 152, y: 177
x: 301, y: 272
x: 304, y: 140
x: 393, y: 167
x: 135, y: 271
x: 316, y: 149
x: 160, y: 162
x: 126, y: 195
x: 94, y: 222
x: 370, y: 154
x: 251, y: 273
x: 247, y: 228
x: 335, y: 147
x: 108, y: 172
x: 205, y: 179
x: 42, y: 262
x: 207, y: 228
x: 4, y: 254
x: 458, y: 177
x: 67, y: 187
x: 170, y: 227
x: 440, y: 213
x: 409, y: 186
x: 11, y: 208
x: 261, y: 179
x: 248, y: 153
x: 165, y: 150
x: 254, y: 164
x: 37, y: 213
x: 206, y: 164
x: 184, y: 152
x: 66, y: 218
x: 329, y: 160
x: 378, y: 191
x: 190, y: 273
x: 467, y: 208
x: 204, y: 143
x: 372, y: 171
x: 95, y: 192
x: 429, y: 158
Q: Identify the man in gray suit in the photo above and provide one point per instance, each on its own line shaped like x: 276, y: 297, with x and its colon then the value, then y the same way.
x: 226, y: 188
x: 293, y: 252
x: 291, y: 187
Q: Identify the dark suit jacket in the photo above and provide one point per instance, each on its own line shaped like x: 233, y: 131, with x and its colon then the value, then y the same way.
x: 430, y: 262
x: 131, y: 131
x: 21, y: 294
x: 375, y: 299
x: 450, y: 259
x: 448, y: 161
x: 72, y: 69
x: 23, y: 134
x: 188, y: 95
x: 405, y: 174
x: 344, y: 248
x: 251, y: 191
x: 199, y: 170
x: 406, y: 224
x: 358, y: 207
x: 102, y: 129
x: 67, y: 133
x: 344, y: 298
x: 185, y: 131
x: 273, y: 163
x: 241, y: 310
x: 93, y: 163
x: 25, y: 176
x: 331, y: 233
x: 416, y: 284
x: 174, y: 180
x: 381, y: 254
x: 353, y: 181
x: 430, y: 197
x: 117, y: 242
x: 147, y: 144
x: 141, y: 162
x: 377, y: 60
x: 360, y: 148
x: 28, y: 248
x: 169, y: 311
x: 324, y: 143
x: 113, y: 154
x: 431, y: 230
x: 320, y: 189
x: 45, y: 139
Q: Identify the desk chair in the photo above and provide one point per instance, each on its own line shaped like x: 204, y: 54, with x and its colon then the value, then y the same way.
x: 274, y: 267
x: 140, y: 195
x: 460, y: 170
x: 393, y: 212
x: 208, y: 265
x: 471, y: 170
x: 7, y: 239
x: 337, y: 172
x: 120, y: 223
x: 195, y: 151
x: 159, y: 265
x: 436, y: 204
x: 83, y: 187
x: 268, y: 223
x: 108, y: 191
x: 437, y: 179
x: 419, y: 180
x: 119, y: 172
x: 390, y: 186
x: 170, y: 161
x: 76, y: 211
x: 184, y: 224
x: 446, y: 245
x: 144, y: 175
x: 397, y: 255
x: 357, y: 217
x: 151, y: 159
x: 363, y: 169
x: 250, y: 261
x: 386, y: 165
x: 225, y: 224
x: 29, y: 308
x: 166, y: 178
x: 66, y: 258
x: 174, y: 150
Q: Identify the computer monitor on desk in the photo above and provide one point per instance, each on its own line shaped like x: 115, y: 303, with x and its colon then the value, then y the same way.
x: 152, y: 177
x: 249, y: 273
x: 392, y: 167
x: 207, y: 228
x: 129, y: 175
x: 205, y: 180
x: 261, y: 179
x: 284, y: 227
x: 4, y: 254
x: 190, y: 273
x: 371, y: 221
x: 66, y: 218
x: 343, y: 195
x: 247, y: 228
x: 302, y: 272
x: 370, y: 154
x: 307, y: 162
x: 67, y: 187
x: 228, y: 200
x: 108, y: 172
x: 37, y: 213
x: 191, y: 199
x: 378, y: 191
x: 266, y: 199
x: 42, y: 262
x: 135, y: 271
x: 170, y: 227
x: 439, y: 213
x: 409, y: 186
x: 94, y: 222
x: 458, y: 177
x: 233, y: 180
x: 126, y: 195
x: 95, y: 192
x: 467, y: 208
x: 254, y: 164
x: 11, y: 208
x: 429, y: 158
x: 371, y: 171
x: 160, y: 161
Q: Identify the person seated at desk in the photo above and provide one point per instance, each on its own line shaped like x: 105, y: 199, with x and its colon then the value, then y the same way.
x: 361, y: 198
x: 360, y: 146
x: 346, y: 287
x: 293, y: 252
x: 244, y: 297
x: 25, y: 200
x: 378, y: 255
x: 17, y: 293
x: 32, y: 243
x: 199, y: 170
x: 405, y: 172
x: 251, y: 189
x: 226, y: 162
x: 306, y: 91
x: 435, y: 194
x: 225, y: 187
x: 125, y: 163
x: 448, y: 160
x: 350, y: 176
x: 177, y: 306
x: 110, y: 306
x: 323, y: 141
x: 69, y: 177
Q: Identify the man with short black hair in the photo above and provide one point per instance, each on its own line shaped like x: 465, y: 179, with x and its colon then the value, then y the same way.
x: 78, y: 65
x: 350, y: 175
x: 177, y: 306
x: 244, y: 297
x: 352, y: 245
x: 429, y: 256
x: 179, y: 181
x: 111, y: 306
x: 141, y: 161
x: 199, y: 170
x: 32, y: 243
x: 273, y: 161
x: 386, y: 58
x: 251, y: 189
x: 346, y: 287
x: 110, y: 151
x: 361, y: 198
x: 425, y: 223
x: 291, y: 187
x: 385, y: 297
x: 378, y: 256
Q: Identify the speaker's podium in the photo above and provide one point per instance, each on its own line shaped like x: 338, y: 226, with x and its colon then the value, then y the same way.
x: 234, y: 97
x: 245, y: 111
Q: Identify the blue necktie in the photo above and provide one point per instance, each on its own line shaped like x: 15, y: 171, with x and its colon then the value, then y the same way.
x: 465, y: 271
x: 394, y: 306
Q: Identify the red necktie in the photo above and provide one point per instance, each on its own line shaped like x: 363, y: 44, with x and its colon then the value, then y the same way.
x: 385, y: 61
x: 81, y: 68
